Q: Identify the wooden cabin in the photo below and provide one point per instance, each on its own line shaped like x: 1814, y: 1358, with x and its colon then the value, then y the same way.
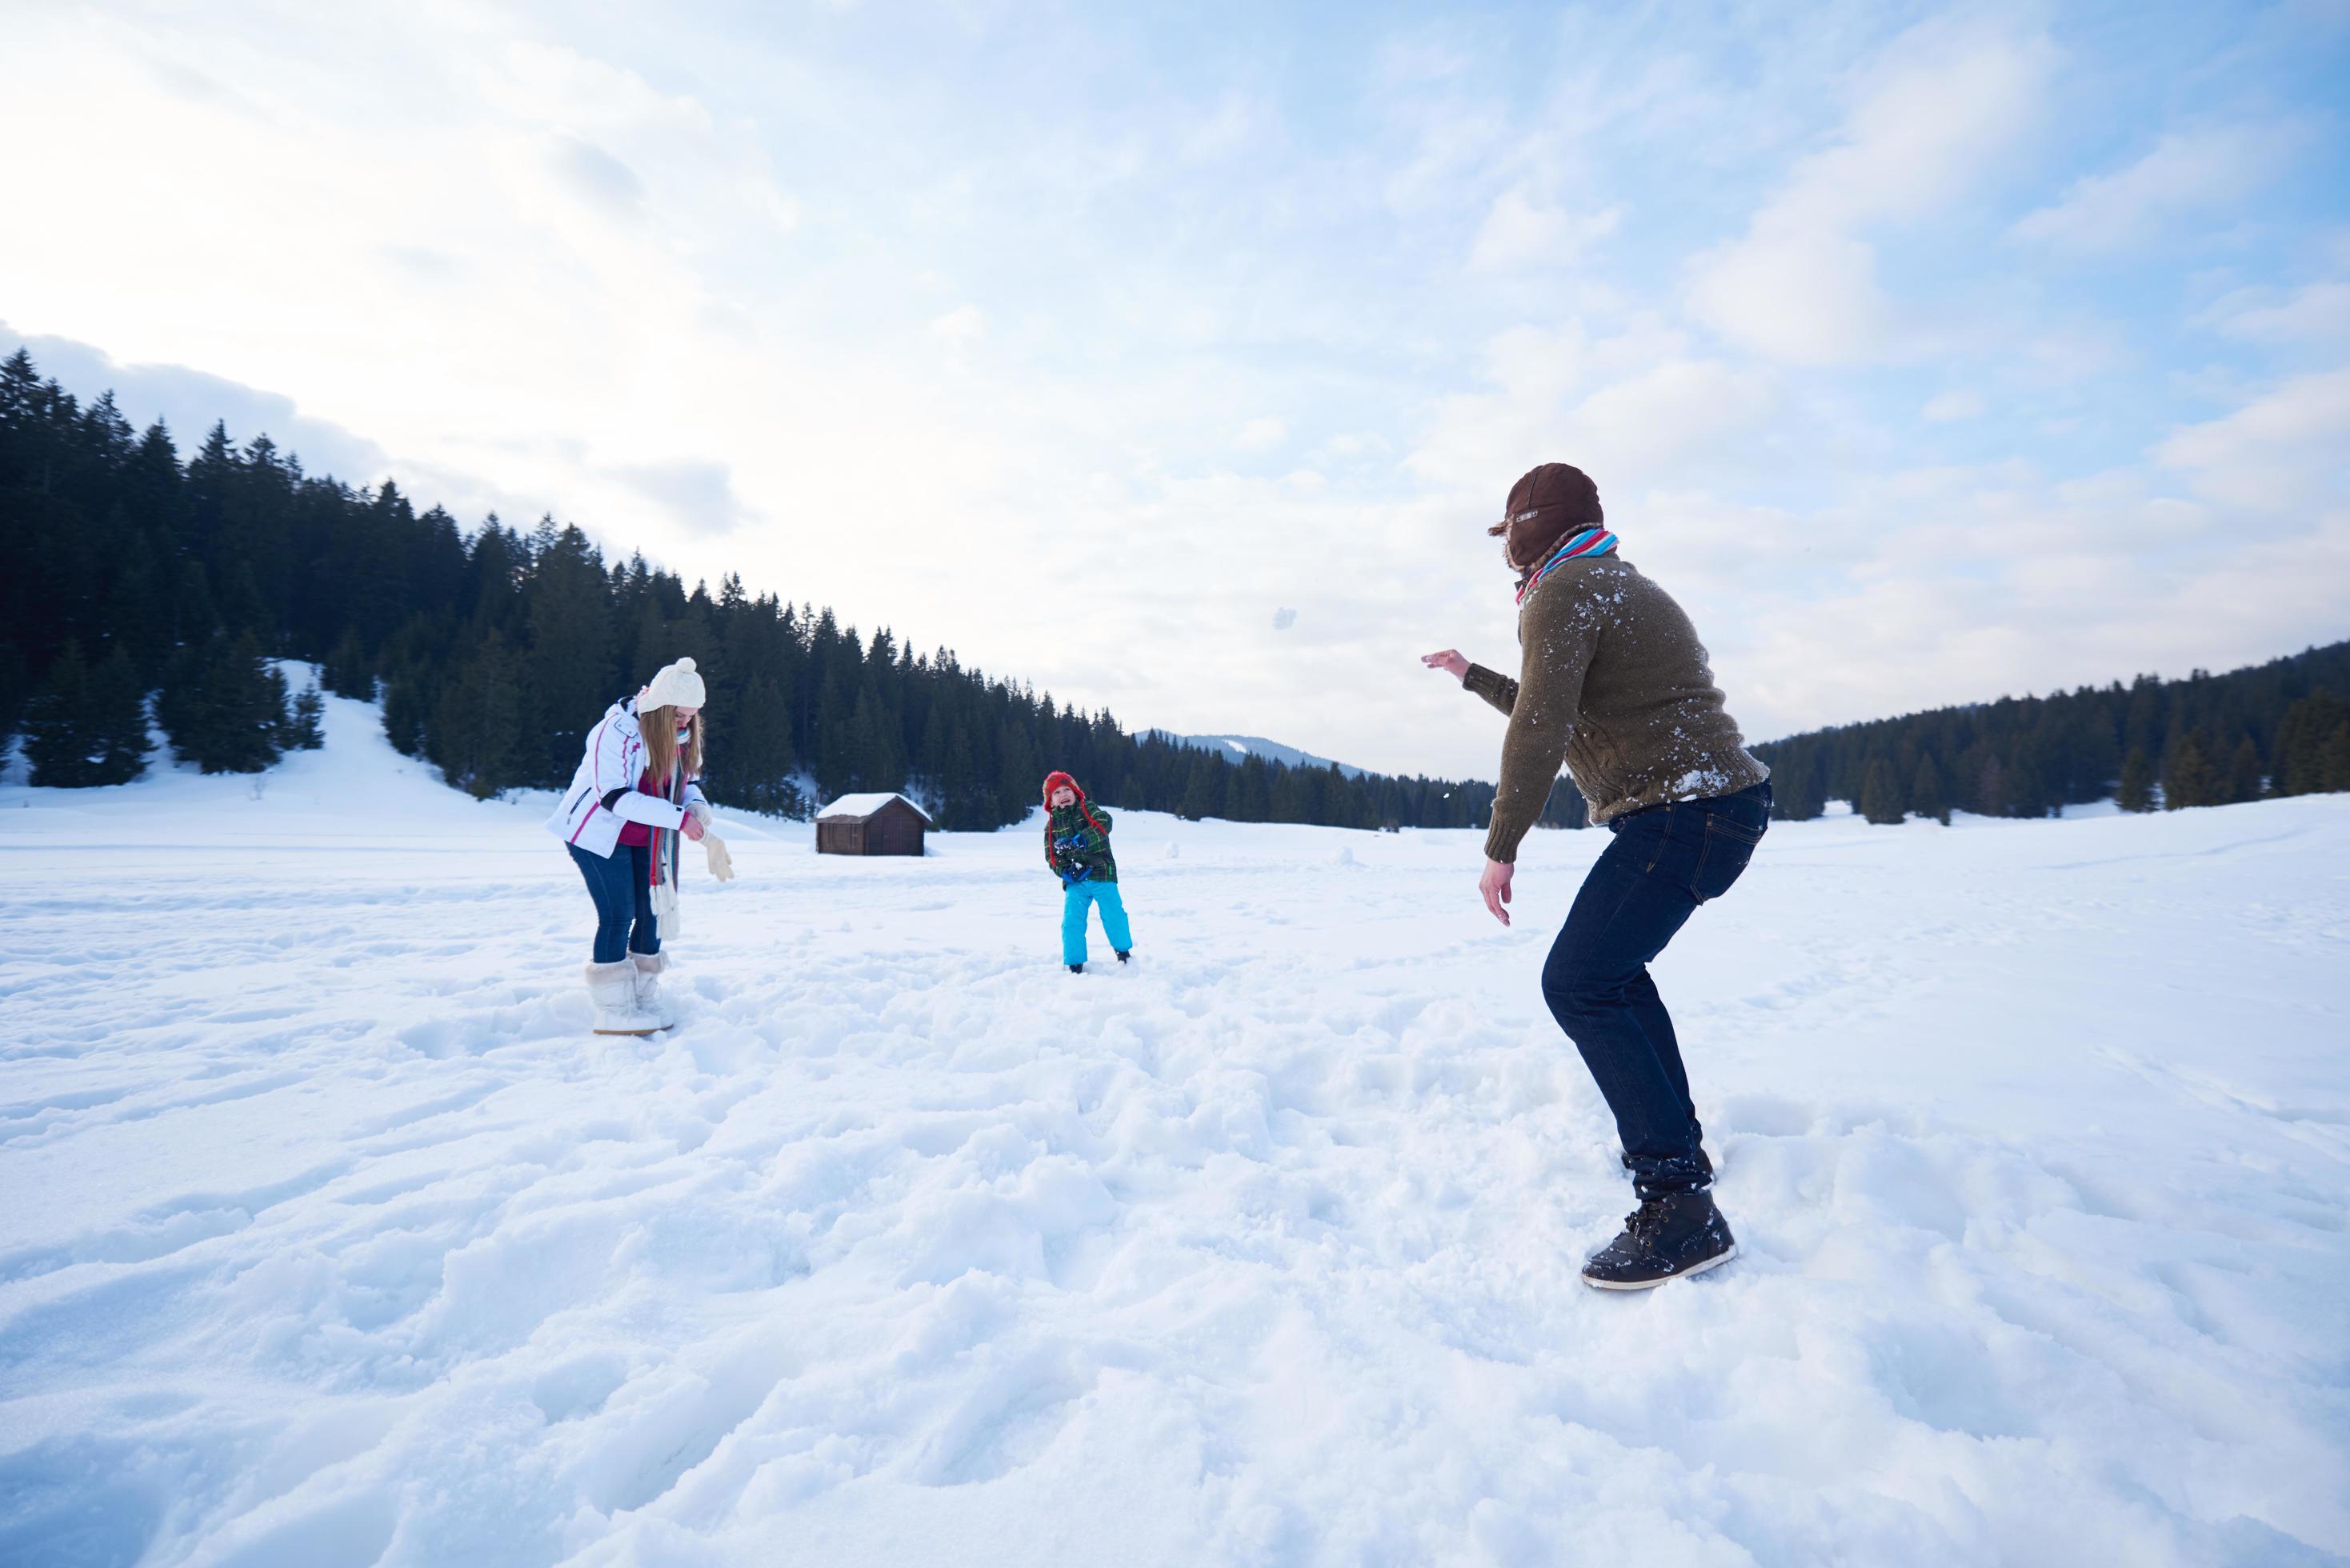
x: 871, y: 825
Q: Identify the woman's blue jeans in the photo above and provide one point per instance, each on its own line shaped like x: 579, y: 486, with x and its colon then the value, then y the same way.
x: 620, y: 883
x: 1663, y: 863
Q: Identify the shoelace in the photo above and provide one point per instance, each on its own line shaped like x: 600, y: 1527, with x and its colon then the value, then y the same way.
x: 1646, y: 1221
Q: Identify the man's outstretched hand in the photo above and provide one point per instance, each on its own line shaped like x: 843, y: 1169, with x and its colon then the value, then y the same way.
x: 1496, y: 886
x: 1450, y: 661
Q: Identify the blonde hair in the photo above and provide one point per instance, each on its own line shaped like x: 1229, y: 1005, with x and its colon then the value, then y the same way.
x: 660, y: 730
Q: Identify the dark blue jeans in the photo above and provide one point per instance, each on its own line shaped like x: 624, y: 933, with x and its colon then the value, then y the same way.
x: 1665, y: 861
x: 624, y: 898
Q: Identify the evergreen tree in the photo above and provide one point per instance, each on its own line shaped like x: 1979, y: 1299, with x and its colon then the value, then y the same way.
x: 139, y: 604
x: 2334, y: 765
x: 1797, y: 791
x: 2303, y: 736
x: 88, y: 727
x: 1564, y: 809
x: 2190, y: 779
x: 306, y: 727
x: 16, y: 687
x: 754, y: 768
x: 2027, y: 783
x: 2243, y: 777
x: 242, y: 607
x: 152, y: 490
x: 1927, y: 796
x: 567, y: 679
x: 866, y: 750
x: 1022, y: 772
x: 2137, y: 790
x: 967, y: 804
x: 1880, y: 797
x: 1203, y: 793
x: 224, y: 706
x: 346, y: 673
x: 1990, y: 787
x: 1248, y: 795
x: 117, y: 719
x: 193, y: 617
x: 476, y: 736
x: 403, y: 716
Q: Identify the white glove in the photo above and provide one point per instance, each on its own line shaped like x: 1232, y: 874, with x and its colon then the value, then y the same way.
x: 722, y: 865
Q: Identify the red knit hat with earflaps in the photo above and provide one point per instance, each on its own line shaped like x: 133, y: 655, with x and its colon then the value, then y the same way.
x: 1055, y: 780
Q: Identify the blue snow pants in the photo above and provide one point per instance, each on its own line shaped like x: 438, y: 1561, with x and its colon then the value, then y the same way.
x: 1080, y: 897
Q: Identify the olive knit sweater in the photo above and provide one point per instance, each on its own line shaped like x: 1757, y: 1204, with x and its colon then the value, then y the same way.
x: 1614, y: 680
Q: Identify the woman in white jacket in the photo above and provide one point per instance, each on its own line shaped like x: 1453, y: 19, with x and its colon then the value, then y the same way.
x: 634, y: 793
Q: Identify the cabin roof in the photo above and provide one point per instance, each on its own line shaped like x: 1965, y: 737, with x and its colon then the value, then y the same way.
x: 864, y: 805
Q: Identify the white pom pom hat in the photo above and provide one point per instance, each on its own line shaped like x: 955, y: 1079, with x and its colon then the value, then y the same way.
x: 674, y: 686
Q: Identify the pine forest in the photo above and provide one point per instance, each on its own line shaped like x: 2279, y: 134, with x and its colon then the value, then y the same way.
x: 149, y: 590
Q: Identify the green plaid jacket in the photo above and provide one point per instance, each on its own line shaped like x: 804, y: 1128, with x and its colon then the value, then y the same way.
x: 1075, y: 845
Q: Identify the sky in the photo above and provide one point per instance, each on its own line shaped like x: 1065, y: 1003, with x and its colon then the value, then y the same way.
x: 1174, y: 359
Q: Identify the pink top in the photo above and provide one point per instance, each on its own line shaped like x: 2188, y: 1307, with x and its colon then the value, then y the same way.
x: 637, y: 832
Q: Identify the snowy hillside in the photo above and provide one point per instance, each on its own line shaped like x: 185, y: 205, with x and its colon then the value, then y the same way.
x: 332, y: 1236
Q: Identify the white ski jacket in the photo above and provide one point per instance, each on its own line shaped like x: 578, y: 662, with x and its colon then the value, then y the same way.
x: 604, y: 794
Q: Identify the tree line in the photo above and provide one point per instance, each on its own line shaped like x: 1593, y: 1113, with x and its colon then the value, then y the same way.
x: 150, y: 589
x: 2275, y: 729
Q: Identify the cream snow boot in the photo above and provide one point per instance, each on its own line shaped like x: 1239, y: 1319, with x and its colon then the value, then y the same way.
x: 649, y: 996
x: 612, y: 987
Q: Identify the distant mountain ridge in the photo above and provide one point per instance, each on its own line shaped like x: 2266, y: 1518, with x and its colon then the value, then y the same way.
x: 1232, y: 748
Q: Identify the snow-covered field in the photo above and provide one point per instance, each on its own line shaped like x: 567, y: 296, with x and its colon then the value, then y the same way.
x: 330, y: 1236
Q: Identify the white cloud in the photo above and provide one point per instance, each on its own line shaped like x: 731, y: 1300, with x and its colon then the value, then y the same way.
x: 1235, y: 121
x: 964, y: 323
x: 1885, y: 600
x: 598, y: 176
x: 1630, y: 409
x: 1521, y: 231
x: 2316, y: 316
x: 1641, y: 429
x: 2186, y: 173
x: 1802, y: 285
x: 2285, y: 451
x: 1959, y: 403
x: 1804, y: 296
x: 1262, y: 435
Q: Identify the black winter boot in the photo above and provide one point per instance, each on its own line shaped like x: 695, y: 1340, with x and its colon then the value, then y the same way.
x: 1666, y: 1236
x: 1076, y: 969
x: 1125, y: 956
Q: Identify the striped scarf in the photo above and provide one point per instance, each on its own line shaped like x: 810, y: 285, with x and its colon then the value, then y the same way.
x: 667, y: 845
x: 1590, y: 542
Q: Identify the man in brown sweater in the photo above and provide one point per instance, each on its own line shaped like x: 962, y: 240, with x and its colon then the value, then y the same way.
x: 1613, y: 680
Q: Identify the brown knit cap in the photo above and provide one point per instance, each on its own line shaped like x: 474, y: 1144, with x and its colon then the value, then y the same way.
x: 1550, y: 503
